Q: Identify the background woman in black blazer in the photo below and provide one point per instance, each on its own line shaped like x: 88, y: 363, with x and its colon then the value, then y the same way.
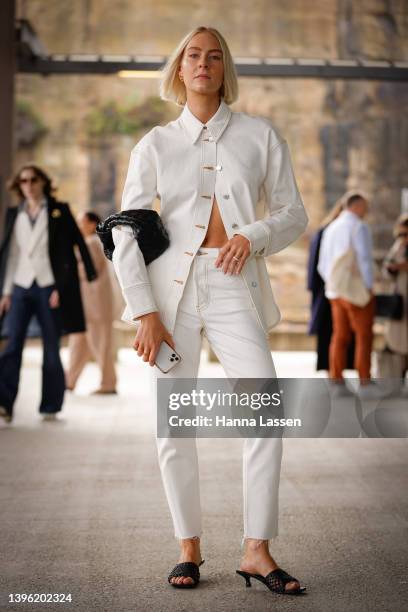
x: 38, y: 275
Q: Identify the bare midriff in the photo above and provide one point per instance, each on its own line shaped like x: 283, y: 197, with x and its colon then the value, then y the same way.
x: 216, y: 235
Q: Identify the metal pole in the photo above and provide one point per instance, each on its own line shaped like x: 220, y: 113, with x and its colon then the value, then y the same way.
x: 7, y: 71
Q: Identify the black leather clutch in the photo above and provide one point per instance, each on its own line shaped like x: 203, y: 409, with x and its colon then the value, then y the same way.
x: 147, y: 228
x: 389, y: 306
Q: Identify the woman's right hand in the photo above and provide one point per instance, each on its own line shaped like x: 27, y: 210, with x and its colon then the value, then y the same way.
x: 149, y: 337
x: 5, y: 303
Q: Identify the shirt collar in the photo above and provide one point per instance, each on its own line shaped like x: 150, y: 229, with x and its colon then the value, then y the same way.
x: 215, y: 126
x: 351, y: 215
x: 24, y: 204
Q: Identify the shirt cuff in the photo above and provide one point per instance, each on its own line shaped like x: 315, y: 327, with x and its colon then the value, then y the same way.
x: 139, y: 300
x: 258, y: 235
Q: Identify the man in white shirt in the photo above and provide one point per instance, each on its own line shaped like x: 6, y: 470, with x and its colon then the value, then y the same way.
x: 348, y: 230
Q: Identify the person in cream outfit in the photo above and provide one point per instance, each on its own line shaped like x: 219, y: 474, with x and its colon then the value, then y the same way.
x: 214, y: 171
x: 97, y: 341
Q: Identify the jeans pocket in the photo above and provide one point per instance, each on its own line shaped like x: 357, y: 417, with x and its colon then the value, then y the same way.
x: 229, y: 291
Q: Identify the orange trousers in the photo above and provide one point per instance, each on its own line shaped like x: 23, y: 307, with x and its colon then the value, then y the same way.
x: 347, y: 318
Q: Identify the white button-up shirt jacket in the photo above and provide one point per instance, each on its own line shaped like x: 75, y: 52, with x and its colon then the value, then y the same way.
x: 245, y: 164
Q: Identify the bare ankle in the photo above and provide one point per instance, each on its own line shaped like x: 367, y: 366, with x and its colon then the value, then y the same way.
x: 189, y: 541
x: 252, y: 544
x: 190, y: 546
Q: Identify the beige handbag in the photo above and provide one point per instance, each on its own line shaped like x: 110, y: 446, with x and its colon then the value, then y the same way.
x: 345, y: 279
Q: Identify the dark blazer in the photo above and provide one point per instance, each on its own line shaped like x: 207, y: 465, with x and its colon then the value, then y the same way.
x: 63, y: 236
x: 320, y: 306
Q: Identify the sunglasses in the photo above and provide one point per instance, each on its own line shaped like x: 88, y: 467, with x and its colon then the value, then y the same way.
x: 32, y: 180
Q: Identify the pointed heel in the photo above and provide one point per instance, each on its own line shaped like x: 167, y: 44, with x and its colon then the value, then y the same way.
x: 246, y: 576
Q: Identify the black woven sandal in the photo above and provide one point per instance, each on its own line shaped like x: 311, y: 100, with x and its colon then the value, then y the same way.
x: 275, y: 581
x: 188, y: 569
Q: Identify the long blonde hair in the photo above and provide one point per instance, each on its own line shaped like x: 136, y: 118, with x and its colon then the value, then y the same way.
x: 172, y: 89
x: 334, y: 212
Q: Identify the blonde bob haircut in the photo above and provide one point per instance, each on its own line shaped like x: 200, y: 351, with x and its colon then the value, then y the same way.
x: 173, y: 90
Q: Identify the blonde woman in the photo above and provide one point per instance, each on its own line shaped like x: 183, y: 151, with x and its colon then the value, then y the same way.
x: 209, y: 168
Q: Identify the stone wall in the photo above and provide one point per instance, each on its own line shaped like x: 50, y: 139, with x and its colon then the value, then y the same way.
x: 342, y: 134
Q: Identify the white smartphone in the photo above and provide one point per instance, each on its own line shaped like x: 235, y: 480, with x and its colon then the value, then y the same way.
x: 166, y: 358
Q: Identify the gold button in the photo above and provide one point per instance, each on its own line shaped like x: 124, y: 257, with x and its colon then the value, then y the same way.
x: 188, y: 253
x: 201, y: 226
x: 180, y: 282
x: 234, y: 225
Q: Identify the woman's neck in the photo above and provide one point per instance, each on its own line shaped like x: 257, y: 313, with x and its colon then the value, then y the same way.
x: 203, y: 107
x: 34, y: 202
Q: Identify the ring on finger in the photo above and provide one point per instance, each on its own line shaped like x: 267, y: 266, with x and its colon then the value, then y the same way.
x: 236, y: 258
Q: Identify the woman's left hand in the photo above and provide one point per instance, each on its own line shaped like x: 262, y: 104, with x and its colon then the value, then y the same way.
x: 54, y: 299
x: 233, y: 255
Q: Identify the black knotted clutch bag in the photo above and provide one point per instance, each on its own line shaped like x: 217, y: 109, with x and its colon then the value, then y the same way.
x: 147, y: 228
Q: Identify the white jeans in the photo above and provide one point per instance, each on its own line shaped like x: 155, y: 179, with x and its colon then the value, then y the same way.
x: 220, y: 306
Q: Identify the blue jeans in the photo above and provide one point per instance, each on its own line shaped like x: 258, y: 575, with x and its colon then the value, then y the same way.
x: 25, y: 303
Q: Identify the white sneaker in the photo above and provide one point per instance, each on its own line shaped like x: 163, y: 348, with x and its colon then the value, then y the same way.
x: 373, y: 391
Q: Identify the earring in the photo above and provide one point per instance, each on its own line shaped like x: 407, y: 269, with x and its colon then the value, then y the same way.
x: 181, y: 77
